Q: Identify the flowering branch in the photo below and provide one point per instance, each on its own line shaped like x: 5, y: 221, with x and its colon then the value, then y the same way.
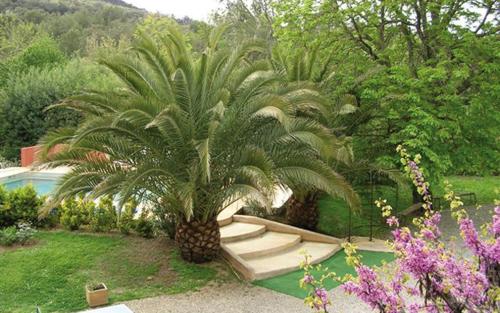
x: 427, y: 277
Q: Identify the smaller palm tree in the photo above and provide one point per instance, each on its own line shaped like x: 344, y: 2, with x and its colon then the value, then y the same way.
x: 303, y: 68
x: 187, y: 135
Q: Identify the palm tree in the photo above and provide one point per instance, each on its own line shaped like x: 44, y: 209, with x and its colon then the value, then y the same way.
x: 188, y: 135
x: 302, y: 68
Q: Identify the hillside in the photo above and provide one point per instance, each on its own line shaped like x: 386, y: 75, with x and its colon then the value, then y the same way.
x: 77, y: 25
x: 61, y: 6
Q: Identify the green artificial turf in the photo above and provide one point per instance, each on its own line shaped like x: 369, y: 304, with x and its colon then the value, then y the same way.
x: 289, y: 283
x: 53, y: 272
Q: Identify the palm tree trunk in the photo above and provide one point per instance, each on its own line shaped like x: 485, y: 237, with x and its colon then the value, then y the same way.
x: 303, y: 211
x: 198, y: 241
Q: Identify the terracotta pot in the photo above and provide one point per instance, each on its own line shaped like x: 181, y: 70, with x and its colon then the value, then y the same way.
x: 97, y: 297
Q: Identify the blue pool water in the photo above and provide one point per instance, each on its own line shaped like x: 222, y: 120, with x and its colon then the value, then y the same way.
x: 42, y: 186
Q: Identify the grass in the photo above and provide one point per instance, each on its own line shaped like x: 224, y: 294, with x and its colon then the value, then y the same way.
x: 289, y: 283
x: 486, y: 188
x: 53, y: 273
x: 334, y: 212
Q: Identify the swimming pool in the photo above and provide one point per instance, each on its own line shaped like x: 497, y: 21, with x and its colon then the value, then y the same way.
x: 43, y: 182
x: 42, y: 186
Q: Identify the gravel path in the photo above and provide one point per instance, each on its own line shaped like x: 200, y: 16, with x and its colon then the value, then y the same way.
x: 246, y: 298
x: 237, y: 298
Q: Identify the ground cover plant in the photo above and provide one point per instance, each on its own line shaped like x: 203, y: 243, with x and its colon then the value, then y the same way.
x: 19, y: 234
x: 53, y: 273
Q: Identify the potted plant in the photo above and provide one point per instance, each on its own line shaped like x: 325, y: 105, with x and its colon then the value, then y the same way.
x: 97, y: 294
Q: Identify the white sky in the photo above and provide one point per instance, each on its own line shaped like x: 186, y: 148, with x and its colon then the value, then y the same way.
x: 196, y: 9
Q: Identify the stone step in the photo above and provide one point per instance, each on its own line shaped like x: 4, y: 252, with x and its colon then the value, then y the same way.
x: 240, y: 231
x: 267, y: 243
x: 289, y: 260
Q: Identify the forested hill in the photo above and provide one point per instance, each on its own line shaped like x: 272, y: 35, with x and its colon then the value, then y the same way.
x: 61, y: 6
x: 76, y: 25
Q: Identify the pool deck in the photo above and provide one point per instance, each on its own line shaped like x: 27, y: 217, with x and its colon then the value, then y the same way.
x: 11, y: 172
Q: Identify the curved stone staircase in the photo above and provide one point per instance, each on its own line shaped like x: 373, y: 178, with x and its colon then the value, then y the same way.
x: 259, y: 248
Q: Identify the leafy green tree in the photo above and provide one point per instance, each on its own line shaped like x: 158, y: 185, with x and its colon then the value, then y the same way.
x: 417, y: 72
x: 190, y: 134
x: 15, y: 35
x: 23, y: 119
x: 43, y: 53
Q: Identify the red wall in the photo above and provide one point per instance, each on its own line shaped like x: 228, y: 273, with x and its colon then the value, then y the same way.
x: 28, y: 154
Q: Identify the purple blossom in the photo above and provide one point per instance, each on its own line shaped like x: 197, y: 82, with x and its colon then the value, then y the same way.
x: 393, y: 221
x: 308, y: 279
x: 446, y: 283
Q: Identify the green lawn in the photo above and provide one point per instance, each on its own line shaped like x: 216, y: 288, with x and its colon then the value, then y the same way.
x: 289, y: 283
x: 484, y: 187
x: 53, y: 272
x: 334, y: 213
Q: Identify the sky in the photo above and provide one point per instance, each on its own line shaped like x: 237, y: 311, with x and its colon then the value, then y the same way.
x: 196, y: 9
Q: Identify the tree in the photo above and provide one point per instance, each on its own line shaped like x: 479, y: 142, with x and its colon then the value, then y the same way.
x: 416, y: 70
x: 188, y: 135
x: 302, y: 68
x: 26, y: 95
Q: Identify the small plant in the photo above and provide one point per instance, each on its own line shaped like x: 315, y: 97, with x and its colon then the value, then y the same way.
x: 93, y: 286
x: 97, y: 294
x: 24, y: 233
x: 8, y: 236
x: 145, y: 225
x: 104, y: 216
x: 20, y: 234
x: 126, y: 221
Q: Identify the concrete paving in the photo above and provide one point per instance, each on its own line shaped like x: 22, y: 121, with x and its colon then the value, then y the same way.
x: 289, y: 260
x: 268, y: 242
x: 120, y: 308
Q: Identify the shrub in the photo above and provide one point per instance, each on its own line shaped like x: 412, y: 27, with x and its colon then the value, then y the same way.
x: 4, y: 206
x: 4, y: 163
x: 72, y: 216
x: 104, y: 215
x: 22, y: 206
x: 126, y: 220
x: 8, y: 236
x: 53, y: 218
x: 24, y: 232
x: 12, y: 234
x: 145, y: 225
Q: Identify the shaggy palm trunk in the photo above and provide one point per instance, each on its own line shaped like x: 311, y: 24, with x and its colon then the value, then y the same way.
x: 303, y: 211
x: 198, y: 241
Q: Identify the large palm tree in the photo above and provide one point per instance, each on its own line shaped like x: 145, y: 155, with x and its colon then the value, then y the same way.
x: 190, y: 134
